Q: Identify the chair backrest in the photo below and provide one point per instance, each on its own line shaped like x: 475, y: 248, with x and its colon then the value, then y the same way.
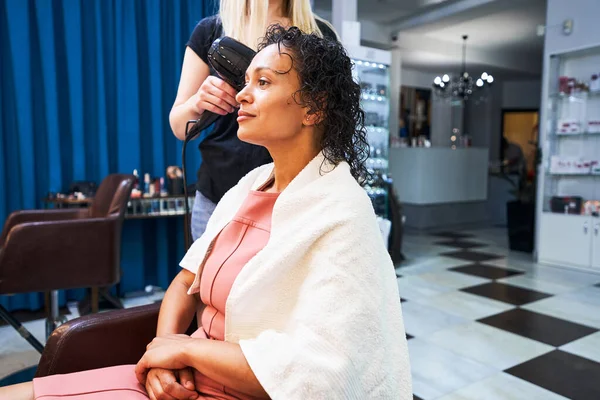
x: 112, y: 196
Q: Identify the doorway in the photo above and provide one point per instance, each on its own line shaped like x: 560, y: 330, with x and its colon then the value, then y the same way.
x: 521, y: 128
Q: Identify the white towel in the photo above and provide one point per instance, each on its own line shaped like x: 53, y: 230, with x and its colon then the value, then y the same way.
x: 317, y: 311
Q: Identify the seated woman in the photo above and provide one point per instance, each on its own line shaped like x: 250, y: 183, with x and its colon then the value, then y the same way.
x: 291, y: 282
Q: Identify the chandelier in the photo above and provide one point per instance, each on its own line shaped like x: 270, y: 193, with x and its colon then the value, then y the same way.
x: 461, y: 87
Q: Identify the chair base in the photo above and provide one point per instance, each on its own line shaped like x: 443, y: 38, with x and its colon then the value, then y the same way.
x: 5, y: 315
x: 91, y: 303
x: 53, y: 319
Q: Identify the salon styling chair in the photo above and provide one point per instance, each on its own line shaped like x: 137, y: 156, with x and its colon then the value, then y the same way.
x: 110, y: 338
x: 51, y: 250
x: 100, y: 340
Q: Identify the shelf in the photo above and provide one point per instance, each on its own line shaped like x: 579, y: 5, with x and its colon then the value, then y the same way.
x: 578, y: 96
x: 373, y: 97
x: 375, y: 127
x: 154, y: 215
x: 577, y: 135
x: 555, y: 175
x: 583, y: 217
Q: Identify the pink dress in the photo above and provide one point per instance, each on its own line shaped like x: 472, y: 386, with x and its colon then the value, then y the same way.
x: 237, y: 243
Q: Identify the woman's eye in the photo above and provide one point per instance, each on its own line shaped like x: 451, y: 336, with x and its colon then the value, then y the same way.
x: 262, y: 82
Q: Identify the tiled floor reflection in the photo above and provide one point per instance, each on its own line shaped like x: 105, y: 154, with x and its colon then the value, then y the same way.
x: 489, y: 324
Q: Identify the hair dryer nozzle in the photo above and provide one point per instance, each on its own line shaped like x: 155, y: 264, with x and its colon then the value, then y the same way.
x: 230, y: 59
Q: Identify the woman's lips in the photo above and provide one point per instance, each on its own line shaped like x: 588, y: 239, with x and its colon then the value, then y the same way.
x: 243, y: 116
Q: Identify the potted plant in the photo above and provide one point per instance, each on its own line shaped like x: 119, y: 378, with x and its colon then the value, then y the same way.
x: 520, y: 212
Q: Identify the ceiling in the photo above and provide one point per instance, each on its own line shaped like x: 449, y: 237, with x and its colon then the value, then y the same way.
x: 383, y: 11
x: 498, y: 26
x: 502, y: 33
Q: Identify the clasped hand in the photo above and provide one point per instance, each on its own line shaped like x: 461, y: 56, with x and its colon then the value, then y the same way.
x: 162, y: 369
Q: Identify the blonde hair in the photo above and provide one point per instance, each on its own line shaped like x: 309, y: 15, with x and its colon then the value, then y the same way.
x: 246, y: 20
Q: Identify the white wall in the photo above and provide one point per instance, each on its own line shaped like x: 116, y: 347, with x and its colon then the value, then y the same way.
x: 441, y: 111
x: 586, y: 29
x: 414, y: 78
x: 369, y: 31
x: 521, y: 94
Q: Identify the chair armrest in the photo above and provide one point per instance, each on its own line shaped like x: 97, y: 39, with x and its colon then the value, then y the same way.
x: 39, y: 256
x: 99, y: 340
x: 20, y: 217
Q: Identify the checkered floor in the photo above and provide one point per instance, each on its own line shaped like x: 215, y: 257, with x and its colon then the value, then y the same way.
x: 484, y: 323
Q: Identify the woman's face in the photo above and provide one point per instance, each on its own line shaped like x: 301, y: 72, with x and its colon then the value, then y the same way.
x: 268, y: 113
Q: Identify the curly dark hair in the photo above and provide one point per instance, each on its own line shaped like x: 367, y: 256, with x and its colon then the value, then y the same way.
x: 327, y: 88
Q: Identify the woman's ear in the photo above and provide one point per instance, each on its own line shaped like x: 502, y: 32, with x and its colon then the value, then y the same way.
x: 311, y: 119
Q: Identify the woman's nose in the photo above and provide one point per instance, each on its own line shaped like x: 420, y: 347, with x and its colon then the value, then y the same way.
x: 243, y: 95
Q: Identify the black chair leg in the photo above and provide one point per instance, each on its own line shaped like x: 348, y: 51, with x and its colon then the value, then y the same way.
x: 114, y: 301
x: 21, y: 329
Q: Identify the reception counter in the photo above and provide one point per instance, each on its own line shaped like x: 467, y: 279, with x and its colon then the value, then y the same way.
x: 440, y: 187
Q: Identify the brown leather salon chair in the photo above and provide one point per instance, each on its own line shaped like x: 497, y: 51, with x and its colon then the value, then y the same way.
x: 49, y: 250
x: 101, y: 340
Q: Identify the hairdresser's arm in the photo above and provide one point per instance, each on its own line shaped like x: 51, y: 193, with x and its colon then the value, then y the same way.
x: 198, y: 91
x: 193, y: 72
x: 178, y: 308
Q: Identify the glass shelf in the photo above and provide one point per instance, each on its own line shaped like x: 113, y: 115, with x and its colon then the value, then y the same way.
x: 578, y: 135
x: 374, y: 80
x: 580, y: 112
x: 567, y: 175
x: 374, y: 97
x: 579, y: 95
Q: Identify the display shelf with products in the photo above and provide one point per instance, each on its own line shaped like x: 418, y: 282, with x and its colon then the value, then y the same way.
x: 373, y: 77
x: 571, y: 162
x: 569, y: 232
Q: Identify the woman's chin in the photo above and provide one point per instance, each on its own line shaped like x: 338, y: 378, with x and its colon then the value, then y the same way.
x: 246, y: 136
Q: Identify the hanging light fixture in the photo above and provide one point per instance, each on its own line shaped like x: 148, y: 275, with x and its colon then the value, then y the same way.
x: 464, y: 86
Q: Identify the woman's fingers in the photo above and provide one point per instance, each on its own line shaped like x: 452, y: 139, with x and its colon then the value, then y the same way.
x: 210, y: 102
x: 186, y: 378
x: 226, y: 91
x: 217, y: 96
x: 141, y: 371
x: 159, y: 391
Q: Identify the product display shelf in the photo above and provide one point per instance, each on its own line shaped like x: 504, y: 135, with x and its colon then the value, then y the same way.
x: 373, y: 78
x: 569, y: 231
x: 571, y: 152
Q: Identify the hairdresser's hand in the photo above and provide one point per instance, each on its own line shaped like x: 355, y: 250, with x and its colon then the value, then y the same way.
x: 215, y: 95
x: 164, y: 384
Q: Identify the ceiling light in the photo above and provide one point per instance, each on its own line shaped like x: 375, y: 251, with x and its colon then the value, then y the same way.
x: 459, y: 88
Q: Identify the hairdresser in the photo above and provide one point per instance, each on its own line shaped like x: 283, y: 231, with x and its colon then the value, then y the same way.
x: 225, y: 159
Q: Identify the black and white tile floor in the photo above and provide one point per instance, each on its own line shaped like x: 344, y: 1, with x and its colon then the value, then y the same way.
x: 483, y: 323
x: 487, y: 324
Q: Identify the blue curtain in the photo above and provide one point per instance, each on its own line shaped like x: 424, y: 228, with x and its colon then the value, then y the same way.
x: 85, y: 90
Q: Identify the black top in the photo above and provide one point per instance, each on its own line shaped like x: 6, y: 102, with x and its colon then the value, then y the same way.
x: 225, y: 158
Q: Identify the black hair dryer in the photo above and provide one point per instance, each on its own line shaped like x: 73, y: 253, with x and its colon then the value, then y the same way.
x: 230, y: 59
